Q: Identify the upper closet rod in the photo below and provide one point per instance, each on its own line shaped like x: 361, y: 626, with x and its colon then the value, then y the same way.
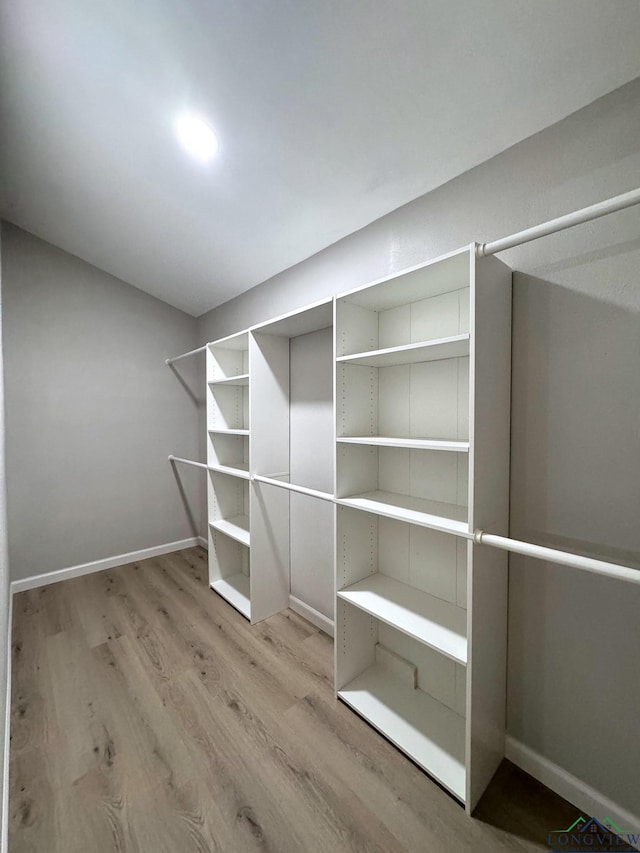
x: 595, y: 211
x: 185, y: 354
x: 564, y: 558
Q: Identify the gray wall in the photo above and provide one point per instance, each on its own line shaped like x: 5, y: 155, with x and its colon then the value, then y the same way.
x: 574, y: 639
x: 92, y: 412
x: 5, y: 691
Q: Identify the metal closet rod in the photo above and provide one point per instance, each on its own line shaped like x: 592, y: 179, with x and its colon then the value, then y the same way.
x: 539, y: 552
x: 564, y: 558
x: 291, y: 487
x: 185, y: 354
x: 561, y: 223
x: 594, y: 211
x: 173, y: 458
x: 553, y: 555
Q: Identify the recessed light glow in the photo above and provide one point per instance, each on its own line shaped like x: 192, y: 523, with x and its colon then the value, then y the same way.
x: 197, y: 138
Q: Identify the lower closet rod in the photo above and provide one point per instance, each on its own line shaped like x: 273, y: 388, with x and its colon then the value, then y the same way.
x: 303, y: 490
x: 564, y: 558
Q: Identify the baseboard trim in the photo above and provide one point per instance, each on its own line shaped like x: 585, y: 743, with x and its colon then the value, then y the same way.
x: 4, y: 841
x: 583, y: 796
x: 204, y: 543
x: 311, y: 615
x: 100, y: 565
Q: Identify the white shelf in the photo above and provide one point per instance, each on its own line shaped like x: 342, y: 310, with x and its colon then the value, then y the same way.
x: 436, y: 350
x: 411, y: 443
x: 230, y: 431
x: 429, y: 732
x: 433, y: 621
x: 235, y: 590
x: 237, y: 528
x: 242, y: 379
x: 449, y: 518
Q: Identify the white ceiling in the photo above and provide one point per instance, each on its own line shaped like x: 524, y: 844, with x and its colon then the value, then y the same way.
x: 330, y: 114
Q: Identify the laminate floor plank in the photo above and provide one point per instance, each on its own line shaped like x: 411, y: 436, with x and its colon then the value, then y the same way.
x: 148, y: 716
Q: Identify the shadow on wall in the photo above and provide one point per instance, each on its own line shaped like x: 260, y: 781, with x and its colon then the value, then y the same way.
x: 575, y: 441
x: 191, y: 376
x: 575, y: 485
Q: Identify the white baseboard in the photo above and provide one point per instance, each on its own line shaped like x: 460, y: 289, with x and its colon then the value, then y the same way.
x: 593, y: 803
x: 204, y: 543
x: 4, y: 841
x: 311, y: 615
x: 100, y: 565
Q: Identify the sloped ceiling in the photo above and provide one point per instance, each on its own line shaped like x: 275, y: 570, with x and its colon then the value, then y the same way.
x: 330, y: 114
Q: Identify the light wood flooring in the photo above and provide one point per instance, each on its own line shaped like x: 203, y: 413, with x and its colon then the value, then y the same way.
x: 149, y: 716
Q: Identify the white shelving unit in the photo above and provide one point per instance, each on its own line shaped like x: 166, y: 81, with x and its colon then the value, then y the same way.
x: 422, y: 458
x: 354, y: 447
x: 260, y: 559
x: 228, y: 394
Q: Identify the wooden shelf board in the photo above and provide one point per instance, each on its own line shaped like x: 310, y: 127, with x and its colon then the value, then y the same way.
x: 450, y: 518
x: 236, y: 590
x: 429, y: 732
x: 453, y: 347
x: 412, y: 443
x: 230, y: 431
x: 242, y: 379
x: 237, y: 469
x: 237, y: 528
x: 433, y: 621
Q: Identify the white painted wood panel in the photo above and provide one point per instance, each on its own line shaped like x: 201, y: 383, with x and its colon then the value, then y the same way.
x: 394, y: 401
x: 235, y: 590
x: 236, y: 527
x: 431, y: 733
x: 435, y: 673
x: 438, y: 516
x: 242, y: 379
x: 311, y: 318
x: 311, y: 410
x: 416, y: 443
x: 439, y: 275
x: 269, y: 450
x: 430, y: 620
x: 228, y: 451
x: 354, y: 640
x: 269, y: 549
x: 452, y: 347
x: 311, y: 544
x: 490, y: 384
x: 311, y: 465
x: 227, y: 557
x: 439, y: 399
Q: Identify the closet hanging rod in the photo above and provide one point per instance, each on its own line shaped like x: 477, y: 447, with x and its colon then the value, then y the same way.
x: 553, y: 555
x: 303, y: 490
x: 173, y: 458
x: 185, y: 354
x: 594, y: 211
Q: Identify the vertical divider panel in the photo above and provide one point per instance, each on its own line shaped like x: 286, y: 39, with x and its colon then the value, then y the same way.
x: 269, y: 454
x: 490, y: 411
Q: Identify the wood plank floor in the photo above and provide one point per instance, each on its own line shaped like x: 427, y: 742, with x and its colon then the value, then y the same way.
x: 149, y: 716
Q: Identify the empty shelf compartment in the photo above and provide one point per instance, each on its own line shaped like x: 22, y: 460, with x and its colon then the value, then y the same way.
x: 430, y: 733
x: 235, y: 589
x: 237, y: 528
x: 430, y: 620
